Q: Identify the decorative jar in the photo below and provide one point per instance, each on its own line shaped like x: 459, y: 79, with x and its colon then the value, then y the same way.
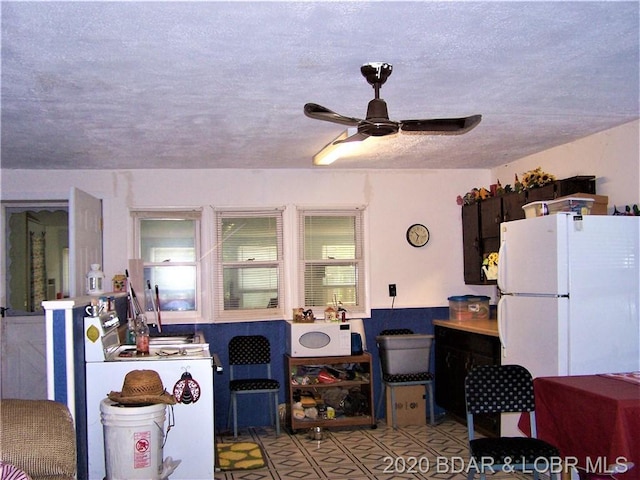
x: 95, y: 280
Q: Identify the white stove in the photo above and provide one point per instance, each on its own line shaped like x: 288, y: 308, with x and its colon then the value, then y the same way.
x: 168, y: 351
x: 102, y: 343
x: 191, y: 439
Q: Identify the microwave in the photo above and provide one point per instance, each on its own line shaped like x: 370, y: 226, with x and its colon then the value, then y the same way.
x: 318, y: 339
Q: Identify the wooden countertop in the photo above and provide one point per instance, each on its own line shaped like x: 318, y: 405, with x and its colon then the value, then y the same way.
x: 483, y: 327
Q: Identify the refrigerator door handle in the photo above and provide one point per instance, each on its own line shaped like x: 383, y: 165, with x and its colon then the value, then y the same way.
x: 502, y: 262
x: 501, y: 328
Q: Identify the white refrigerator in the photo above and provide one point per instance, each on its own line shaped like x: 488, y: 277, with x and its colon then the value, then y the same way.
x: 569, y: 289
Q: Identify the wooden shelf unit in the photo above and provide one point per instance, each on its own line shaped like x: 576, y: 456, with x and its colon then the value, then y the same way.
x: 364, y: 385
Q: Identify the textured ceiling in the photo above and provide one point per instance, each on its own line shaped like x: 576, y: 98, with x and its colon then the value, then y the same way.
x: 93, y: 85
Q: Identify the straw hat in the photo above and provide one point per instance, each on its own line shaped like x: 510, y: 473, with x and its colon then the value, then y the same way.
x: 142, y: 387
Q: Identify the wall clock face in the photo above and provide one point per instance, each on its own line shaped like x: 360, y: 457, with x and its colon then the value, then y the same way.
x: 417, y: 235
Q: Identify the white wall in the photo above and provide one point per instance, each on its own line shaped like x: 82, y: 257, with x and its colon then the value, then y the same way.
x: 424, y: 277
x: 395, y: 199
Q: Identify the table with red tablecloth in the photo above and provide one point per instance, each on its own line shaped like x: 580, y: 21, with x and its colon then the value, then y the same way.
x: 590, y: 417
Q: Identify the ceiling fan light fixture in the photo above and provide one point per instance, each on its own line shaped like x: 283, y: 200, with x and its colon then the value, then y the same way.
x: 377, y: 122
x: 332, y: 151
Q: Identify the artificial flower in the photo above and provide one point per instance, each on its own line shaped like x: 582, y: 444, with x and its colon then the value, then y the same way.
x: 491, y: 260
x: 536, y: 178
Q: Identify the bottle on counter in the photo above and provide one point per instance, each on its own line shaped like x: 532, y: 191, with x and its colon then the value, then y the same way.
x: 131, y: 332
x: 142, y: 336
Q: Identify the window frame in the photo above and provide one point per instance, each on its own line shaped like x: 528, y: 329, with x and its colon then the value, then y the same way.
x: 221, y: 315
x: 362, y: 309
x: 185, y: 316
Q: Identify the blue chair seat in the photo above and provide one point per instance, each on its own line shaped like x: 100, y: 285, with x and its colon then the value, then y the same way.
x: 407, y: 377
x: 512, y: 450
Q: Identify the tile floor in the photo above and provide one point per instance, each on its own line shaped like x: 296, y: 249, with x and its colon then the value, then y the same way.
x: 426, y: 452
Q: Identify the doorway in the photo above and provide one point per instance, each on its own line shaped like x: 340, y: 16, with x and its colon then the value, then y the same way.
x: 37, y: 257
x: 47, y: 247
x: 36, y: 268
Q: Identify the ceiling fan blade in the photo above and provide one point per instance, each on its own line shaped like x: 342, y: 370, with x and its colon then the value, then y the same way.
x: 441, y: 126
x: 318, y: 112
x: 356, y: 137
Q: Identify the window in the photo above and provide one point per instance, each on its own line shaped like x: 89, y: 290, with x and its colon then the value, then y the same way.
x: 168, y: 244
x: 331, y: 259
x: 249, y: 265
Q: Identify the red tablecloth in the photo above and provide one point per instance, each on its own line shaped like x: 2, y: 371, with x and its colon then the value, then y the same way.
x: 594, y: 418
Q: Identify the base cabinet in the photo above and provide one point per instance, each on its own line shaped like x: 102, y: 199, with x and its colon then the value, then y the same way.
x: 456, y: 353
x: 343, y: 384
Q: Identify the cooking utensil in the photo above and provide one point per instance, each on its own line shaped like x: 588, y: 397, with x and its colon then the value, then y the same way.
x: 150, y: 304
x: 158, y: 307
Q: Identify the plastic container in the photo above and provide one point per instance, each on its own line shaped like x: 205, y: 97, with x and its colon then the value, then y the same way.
x: 468, y: 307
x: 581, y: 206
x: 403, y: 354
x: 133, y: 438
x: 600, y: 202
x: 535, y: 209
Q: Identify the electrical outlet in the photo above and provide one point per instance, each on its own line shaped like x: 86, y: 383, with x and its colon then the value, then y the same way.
x: 392, y: 289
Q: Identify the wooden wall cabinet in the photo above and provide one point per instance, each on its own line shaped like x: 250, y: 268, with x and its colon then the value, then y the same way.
x: 472, y: 247
x: 362, y: 383
x: 481, y: 220
x: 456, y: 353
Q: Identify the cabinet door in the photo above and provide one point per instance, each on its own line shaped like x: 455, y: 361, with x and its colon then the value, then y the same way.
x: 452, y: 358
x: 512, y: 206
x: 548, y: 192
x: 488, y: 423
x: 442, y: 376
x: 457, y: 352
x: 490, y: 217
x: 451, y: 375
x: 472, y: 253
x: 579, y: 184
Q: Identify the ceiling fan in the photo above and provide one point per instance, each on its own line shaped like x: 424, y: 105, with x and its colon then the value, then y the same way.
x: 377, y: 123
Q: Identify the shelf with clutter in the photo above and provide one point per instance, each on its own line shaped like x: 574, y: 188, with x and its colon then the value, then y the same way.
x: 329, y: 391
x: 627, y: 210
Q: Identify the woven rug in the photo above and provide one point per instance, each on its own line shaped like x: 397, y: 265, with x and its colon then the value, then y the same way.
x: 239, y: 456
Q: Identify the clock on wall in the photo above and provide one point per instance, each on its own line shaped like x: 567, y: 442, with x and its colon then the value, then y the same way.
x: 417, y: 235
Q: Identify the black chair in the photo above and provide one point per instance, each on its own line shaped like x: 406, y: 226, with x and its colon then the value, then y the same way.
x: 419, y: 375
x: 251, y: 350
x: 505, y: 389
x: 396, y: 331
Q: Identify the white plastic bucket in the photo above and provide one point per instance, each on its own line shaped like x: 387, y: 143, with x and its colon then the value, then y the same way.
x: 133, y: 438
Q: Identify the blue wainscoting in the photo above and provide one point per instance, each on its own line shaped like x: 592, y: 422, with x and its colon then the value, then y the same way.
x: 255, y: 413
